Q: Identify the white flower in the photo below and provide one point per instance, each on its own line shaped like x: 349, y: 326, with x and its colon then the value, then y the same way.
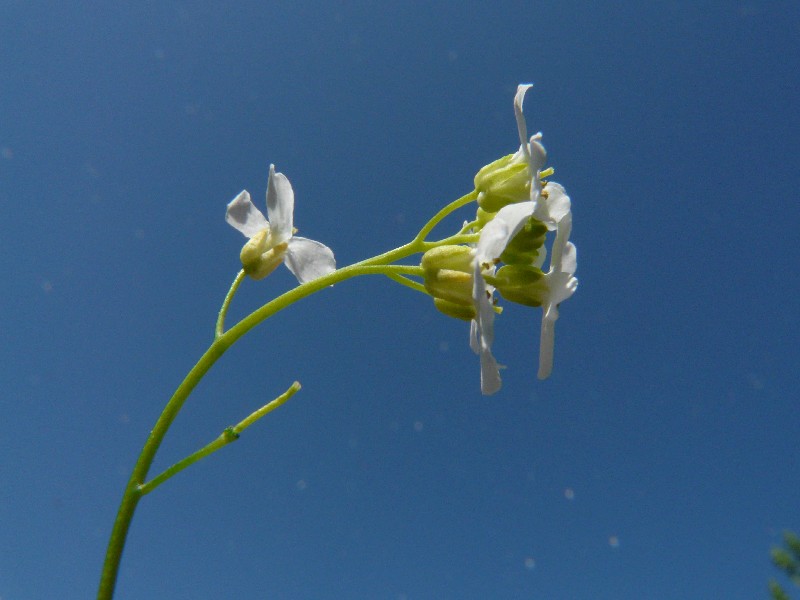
x: 560, y: 285
x: 531, y: 149
x: 516, y: 177
x: 495, y: 236
x: 272, y: 242
x: 547, y: 203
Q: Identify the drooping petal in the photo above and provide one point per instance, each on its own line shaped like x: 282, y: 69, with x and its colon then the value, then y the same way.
x: 309, y: 259
x: 569, y: 259
x: 498, y: 232
x: 474, y: 344
x: 490, y: 373
x: 495, y: 236
x: 280, y: 205
x: 563, y: 231
x: 522, y: 128
x: 482, y: 331
x: 546, y: 344
x: 243, y: 216
x: 484, y: 309
x: 538, y: 153
x: 561, y: 285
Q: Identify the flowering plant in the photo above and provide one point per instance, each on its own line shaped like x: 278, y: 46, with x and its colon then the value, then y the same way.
x: 517, y: 208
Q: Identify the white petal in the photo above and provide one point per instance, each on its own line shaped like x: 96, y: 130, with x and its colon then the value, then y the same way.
x: 308, y: 259
x: 546, y: 344
x: 243, y: 216
x: 473, y: 337
x: 519, y: 97
x: 538, y: 153
x: 540, y: 257
x: 493, y: 240
x: 563, y: 230
x: 561, y: 286
x: 557, y: 205
x: 280, y: 206
x: 498, y: 232
x: 482, y: 301
x: 569, y: 259
x: 490, y: 373
x: 537, y: 157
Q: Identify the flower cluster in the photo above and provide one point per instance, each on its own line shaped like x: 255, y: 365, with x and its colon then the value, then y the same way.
x: 503, y: 250
x: 517, y: 208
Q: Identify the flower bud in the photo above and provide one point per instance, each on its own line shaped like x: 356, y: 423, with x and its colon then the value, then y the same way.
x: 504, y: 181
x: 452, y: 257
x: 523, y: 284
x: 457, y: 311
x: 448, y: 274
x: 483, y: 217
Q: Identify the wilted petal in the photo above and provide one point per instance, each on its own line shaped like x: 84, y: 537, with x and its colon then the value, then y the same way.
x: 482, y: 332
x: 243, y: 216
x: 490, y: 373
x: 538, y: 153
x: 561, y: 243
x: 546, y: 343
x: 495, y: 236
x: 280, y: 205
x: 309, y: 259
x: 561, y: 285
x: 522, y: 128
x: 474, y: 344
x: 569, y: 259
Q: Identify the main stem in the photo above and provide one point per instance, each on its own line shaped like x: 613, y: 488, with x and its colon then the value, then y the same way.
x: 222, y: 341
x: 133, y: 491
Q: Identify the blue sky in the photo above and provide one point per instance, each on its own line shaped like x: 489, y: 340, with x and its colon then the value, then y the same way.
x: 659, y: 461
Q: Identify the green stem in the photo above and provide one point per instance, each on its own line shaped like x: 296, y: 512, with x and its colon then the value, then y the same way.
x: 468, y: 226
x: 230, y: 434
x: 133, y: 490
x: 223, y: 311
x: 409, y: 283
x: 222, y: 341
x: 225, y: 438
x: 454, y: 205
x: 466, y: 238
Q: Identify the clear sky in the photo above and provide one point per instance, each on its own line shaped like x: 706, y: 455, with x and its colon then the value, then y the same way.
x: 659, y: 461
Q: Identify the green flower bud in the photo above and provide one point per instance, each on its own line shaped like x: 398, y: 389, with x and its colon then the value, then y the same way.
x: 448, y: 274
x: 523, y: 284
x: 457, y: 258
x: 453, y: 286
x: 483, y: 217
x: 502, y: 182
x: 457, y: 311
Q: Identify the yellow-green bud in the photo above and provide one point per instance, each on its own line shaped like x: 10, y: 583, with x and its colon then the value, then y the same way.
x: 483, y: 217
x: 448, y: 274
x: 457, y: 311
x: 456, y: 258
x: 502, y: 182
x: 522, y: 284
